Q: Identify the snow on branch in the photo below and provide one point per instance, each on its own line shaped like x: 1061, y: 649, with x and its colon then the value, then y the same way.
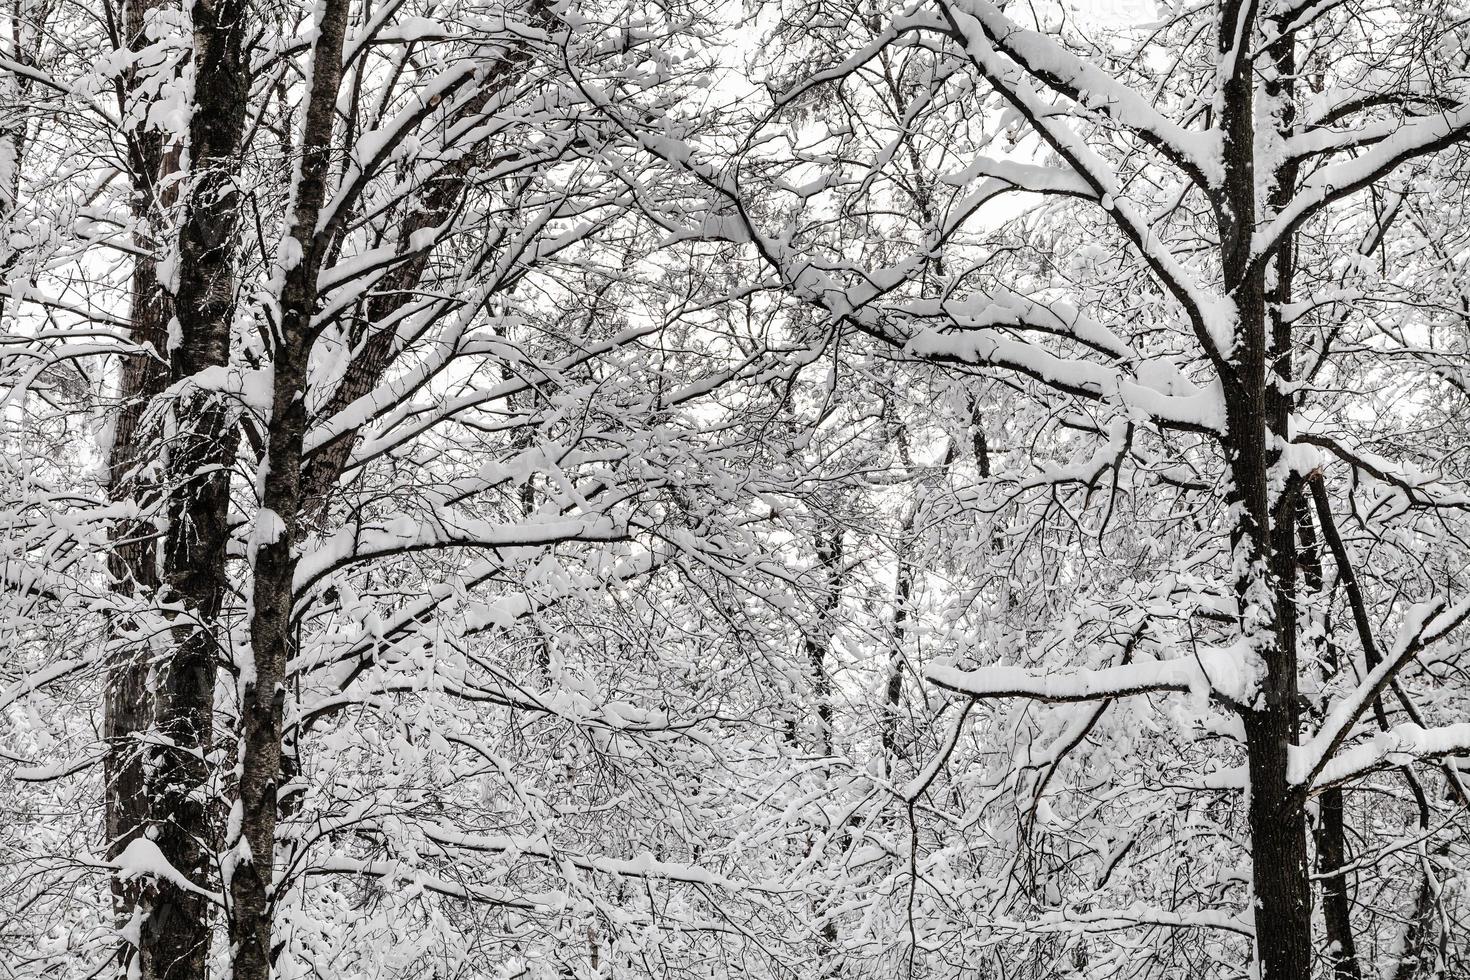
x: 1311, y: 762
x: 1220, y: 672
x: 1424, y: 135
x: 1398, y: 746
x: 1061, y: 70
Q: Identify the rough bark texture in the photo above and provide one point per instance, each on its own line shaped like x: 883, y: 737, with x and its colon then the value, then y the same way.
x: 131, y: 559
x: 198, y: 454
x: 1264, y: 548
x: 263, y: 690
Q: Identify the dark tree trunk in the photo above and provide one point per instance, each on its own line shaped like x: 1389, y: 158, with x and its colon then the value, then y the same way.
x: 1330, y: 836
x: 1263, y: 542
x: 1332, y: 859
x: 198, y: 455
x: 818, y: 642
x: 263, y: 682
x: 133, y: 556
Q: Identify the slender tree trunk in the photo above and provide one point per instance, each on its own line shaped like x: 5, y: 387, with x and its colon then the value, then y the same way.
x: 263, y: 682
x: 375, y: 348
x: 818, y: 643
x: 1330, y: 836
x: 1332, y: 859
x: 1416, y: 952
x: 903, y: 588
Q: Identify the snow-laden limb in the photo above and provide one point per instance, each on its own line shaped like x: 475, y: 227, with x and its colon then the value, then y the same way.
x: 452, y: 842
x: 405, y: 535
x: 38, y: 679
x: 1202, y: 410
x: 1423, y: 624
x: 1419, y: 488
x: 908, y: 22
x: 1132, y: 917
x: 644, y: 865
x: 1002, y: 307
x: 1197, y: 153
x: 1426, y: 134
x: 1220, y: 672
x: 339, y: 864
x: 73, y: 92
x: 506, y: 898
x: 143, y: 859
x: 36, y: 773
x: 986, y: 35
x: 374, y: 147
x: 1399, y: 746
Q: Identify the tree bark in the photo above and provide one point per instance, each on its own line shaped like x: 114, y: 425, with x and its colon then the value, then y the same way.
x: 1264, y: 554
x: 263, y: 690
x: 1330, y: 836
x: 133, y: 556
x: 199, y: 455
x: 818, y: 643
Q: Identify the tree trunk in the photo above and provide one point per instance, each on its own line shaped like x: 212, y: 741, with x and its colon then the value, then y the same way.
x: 199, y: 455
x: 1332, y: 858
x: 1263, y: 549
x: 818, y: 643
x: 1330, y: 836
x: 133, y: 558
x: 263, y: 682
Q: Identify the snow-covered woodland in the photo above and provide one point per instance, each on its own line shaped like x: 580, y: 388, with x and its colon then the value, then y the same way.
x: 791, y: 489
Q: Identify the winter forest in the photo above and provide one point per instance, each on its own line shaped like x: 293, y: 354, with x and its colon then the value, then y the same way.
x: 777, y: 489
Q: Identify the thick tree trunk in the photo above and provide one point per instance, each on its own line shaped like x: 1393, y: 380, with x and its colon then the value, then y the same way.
x: 133, y: 558
x: 263, y: 682
x: 1266, y: 592
x: 1278, y: 853
x: 199, y: 455
x: 1263, y: 542
x: 132, y: 564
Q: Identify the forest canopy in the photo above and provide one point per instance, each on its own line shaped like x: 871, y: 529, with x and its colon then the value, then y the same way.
x: 781, y: 489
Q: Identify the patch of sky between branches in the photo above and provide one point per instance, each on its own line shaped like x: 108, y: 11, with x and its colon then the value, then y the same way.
x: 1113, y: 13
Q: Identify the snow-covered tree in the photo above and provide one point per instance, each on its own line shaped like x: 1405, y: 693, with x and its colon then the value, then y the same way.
x: 535, y: 488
